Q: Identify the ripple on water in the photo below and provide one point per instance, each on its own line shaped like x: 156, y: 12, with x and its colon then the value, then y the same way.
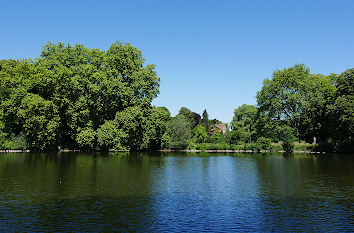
x: 176, y: 193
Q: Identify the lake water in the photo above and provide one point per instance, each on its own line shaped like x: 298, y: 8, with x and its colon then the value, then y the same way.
x: 175, y: 192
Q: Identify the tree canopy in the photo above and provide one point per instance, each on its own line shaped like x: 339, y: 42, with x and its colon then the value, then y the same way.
x: 244, y: 123
x: 297, y: 98
x: 67, y: 94
x: 80, y: 98
x: 180, y: 132
x: 342, y: 113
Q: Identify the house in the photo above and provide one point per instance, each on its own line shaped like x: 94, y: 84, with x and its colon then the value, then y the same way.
x: 217, y: 128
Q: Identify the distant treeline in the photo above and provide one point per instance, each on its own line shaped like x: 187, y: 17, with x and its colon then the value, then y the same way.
x: 73, y: 97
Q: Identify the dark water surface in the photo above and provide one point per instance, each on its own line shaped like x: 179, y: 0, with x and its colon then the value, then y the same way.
x: 176, y: 192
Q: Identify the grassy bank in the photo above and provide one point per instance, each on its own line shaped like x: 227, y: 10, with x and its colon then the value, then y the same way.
x: 255, y: 147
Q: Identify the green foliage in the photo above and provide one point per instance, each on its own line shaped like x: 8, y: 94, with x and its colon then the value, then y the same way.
x: 205, y: 120
x: 135, y: 129
x: 40, y: 122
x: 281, y: 97
x: 200, y: 134
x: 342, y: 113
x: 297, y: 98
x: 180, y: 132
x: 304, y: 147
x: 255, y: 147
x: 288, y: 139
x: 109, y: 137
x: 155, y: 124
x: 264, y: 143
x: 216, y: 137
x: 268, y: 128
x: 211, y: 146
x: 2, y: 140
x: 87, y: 138
x: 165, y: 141
x: 2, y: 134
x: 276, y: 147
x: 15, y: 143
x: 244, y: 124
x: 192, y: 117
x: 76, y: 97
x: 63, y: 97
x: 126, y: 131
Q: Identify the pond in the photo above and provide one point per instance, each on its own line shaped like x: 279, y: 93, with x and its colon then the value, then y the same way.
x: 174, y: 192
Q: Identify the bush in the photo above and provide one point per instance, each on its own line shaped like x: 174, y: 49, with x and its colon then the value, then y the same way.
x: 165, y: 140
x: 15, y: 142
x: 255, y: 147
x: 2, y: 140
x: 304, y: 147
x: 264, y: 143
x: 288, y: 139
x: 211, y: 146
x: 276, y: 147
x: 86, y: 138
x: 248, y: 146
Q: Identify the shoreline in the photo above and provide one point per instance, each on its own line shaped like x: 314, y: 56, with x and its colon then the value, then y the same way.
x: 14, y: 151
x: 168, y: 150
x: 242, y: 151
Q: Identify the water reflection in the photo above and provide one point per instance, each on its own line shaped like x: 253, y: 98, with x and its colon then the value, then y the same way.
x: 313, y: 193
x: 175, y: 192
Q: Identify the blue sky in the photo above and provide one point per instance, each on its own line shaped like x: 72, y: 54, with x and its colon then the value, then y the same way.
x: 210, y: 55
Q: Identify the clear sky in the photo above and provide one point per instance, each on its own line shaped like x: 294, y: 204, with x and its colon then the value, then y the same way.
x: 209, y: 55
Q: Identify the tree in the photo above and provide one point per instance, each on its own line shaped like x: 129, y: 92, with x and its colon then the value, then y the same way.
x: 180, y: 132
x: 205, y: 120
x: 125, y: 132
x: 200, y: 134
x: 297, y: 98
x: 288, y: 139
x: 196, y: 118
x: 135, y: 129
x: 75, y: 90
x: 263, y: 143
x: 244, y: 124
x: 189, y: 116
x: 342, y: 113
x: 2, y: 134
x: 40, y: 122
x: 156, y: 127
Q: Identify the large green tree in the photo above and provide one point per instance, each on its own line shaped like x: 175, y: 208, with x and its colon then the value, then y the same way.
x: 2, y: 134
x: 192, y: 117
x: 205, y: 120
x: 297, y: 98
x: 244, y: 124
x: 342, y: 113
x: 64, y: 96
x: 156, y: 127
x: 180, y: 132
x: 125, y: 132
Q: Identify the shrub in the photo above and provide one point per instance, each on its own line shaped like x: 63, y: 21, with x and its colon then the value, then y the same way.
x: 15, y: 142
x: 211, y: 146
x: 86, y: 138
x: 255, y: 147
x: 264, y: 143
x: 287, y: 137
x: 276, y: 147
x: 165, y: 140
x: 304, y: 147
